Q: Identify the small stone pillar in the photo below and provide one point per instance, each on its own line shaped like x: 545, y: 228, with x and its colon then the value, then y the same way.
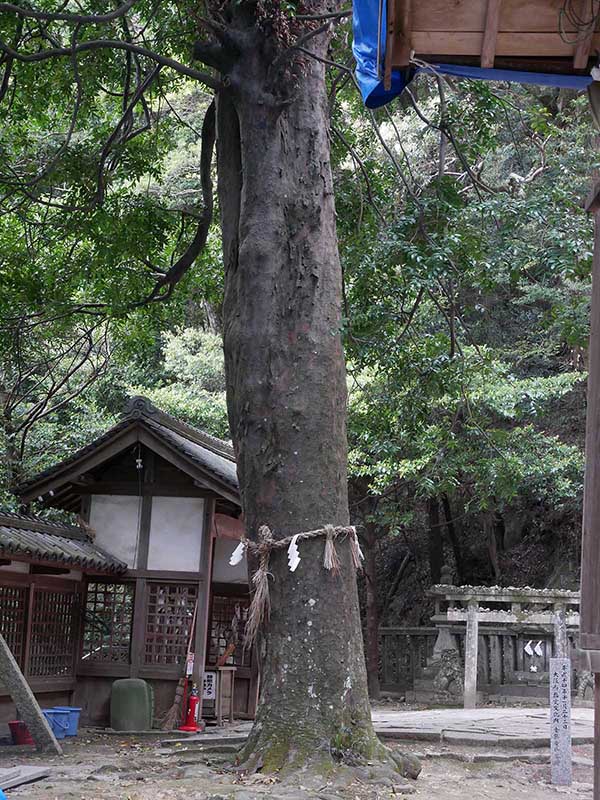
x: 471, y: 643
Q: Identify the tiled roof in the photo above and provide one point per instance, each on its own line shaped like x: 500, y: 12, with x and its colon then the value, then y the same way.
x: 83, y: 451
x: 199, y: 449
x: 222, y: 466
x: 66, y: 545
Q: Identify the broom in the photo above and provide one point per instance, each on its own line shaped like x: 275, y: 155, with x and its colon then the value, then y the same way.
x: 173, y: 715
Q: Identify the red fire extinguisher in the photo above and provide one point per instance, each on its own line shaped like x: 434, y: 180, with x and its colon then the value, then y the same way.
x: 191, y: 721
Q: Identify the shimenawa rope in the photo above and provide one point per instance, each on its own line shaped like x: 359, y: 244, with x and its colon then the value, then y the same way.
x: 260, y: 606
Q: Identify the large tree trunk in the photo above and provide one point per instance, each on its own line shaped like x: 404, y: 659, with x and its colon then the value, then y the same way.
x: 286, y: 395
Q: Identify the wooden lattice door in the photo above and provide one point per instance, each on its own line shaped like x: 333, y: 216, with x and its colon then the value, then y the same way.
x: 53, y: 633
x: 108, y: 622
x: 13, y: 619
x: 169, y: 615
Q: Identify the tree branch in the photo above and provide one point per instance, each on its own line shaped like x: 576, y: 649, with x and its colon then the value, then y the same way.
x: 112, y: 44
x: 64, y: 16
x: 172, y: 277
x: 330, y: 15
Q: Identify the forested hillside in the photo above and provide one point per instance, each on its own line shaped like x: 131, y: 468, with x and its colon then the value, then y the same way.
x: 466, y: 257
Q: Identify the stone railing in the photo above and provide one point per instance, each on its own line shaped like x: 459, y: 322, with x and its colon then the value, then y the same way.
x: 509, y: 635
x: 403, y: 653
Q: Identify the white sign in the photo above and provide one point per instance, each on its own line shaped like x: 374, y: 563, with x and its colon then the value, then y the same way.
x: 209, y: 686
x: 189, y: 665
x: 560, y: 721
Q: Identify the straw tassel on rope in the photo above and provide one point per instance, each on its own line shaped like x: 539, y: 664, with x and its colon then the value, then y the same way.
x: 331, y: 561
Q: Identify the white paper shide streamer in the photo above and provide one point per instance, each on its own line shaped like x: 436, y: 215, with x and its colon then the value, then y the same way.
x: 237, y: 554
x: 293, y: 554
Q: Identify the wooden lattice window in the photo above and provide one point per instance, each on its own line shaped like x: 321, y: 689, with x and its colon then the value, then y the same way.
x: 227, y: 629
x: 53, y: 633
x: 13, y: 618
x: 108, y: 622
x: 169, y: 615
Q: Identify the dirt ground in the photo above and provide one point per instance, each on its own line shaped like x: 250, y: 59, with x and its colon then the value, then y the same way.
x: 99, y: 767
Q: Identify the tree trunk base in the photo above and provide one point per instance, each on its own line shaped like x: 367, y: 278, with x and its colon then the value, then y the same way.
x: 357, y: 752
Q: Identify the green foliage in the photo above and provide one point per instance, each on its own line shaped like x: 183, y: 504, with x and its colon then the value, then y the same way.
x: 191, y: 380
x: 467, y: 306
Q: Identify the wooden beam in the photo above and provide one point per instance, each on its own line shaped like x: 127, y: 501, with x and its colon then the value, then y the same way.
x: 390, y: 36
x: 584, y: 46
x: 519, y: 44
x: 403, y: 47
x: 590, y: 545
x: 592, y: 201
x: 490, y: 33
x: 88, y: 461
x: 132, y: 488
x: 536, y: 16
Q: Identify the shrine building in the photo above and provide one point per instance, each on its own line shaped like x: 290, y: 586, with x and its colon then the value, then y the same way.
x: 141, y: 577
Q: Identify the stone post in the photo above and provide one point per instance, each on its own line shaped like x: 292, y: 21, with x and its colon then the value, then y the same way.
x: 471, y: 642
x: 560, y: 633
x: 560, y: 721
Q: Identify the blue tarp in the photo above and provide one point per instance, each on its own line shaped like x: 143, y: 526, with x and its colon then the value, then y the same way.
x: 368, y: 28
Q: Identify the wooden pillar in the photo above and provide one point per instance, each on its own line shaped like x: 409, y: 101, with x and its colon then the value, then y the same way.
x: 589, y: 627
x: 596, y: 735
x: 138, y: 634
x: 204, y: 595
x: 471, y: 642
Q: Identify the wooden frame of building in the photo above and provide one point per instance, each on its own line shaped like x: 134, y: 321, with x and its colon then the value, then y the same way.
x: 160, y: 512
x: 533, y: 36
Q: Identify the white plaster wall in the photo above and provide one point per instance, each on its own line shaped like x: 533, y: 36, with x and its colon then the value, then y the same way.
x: 176, y: 530
x: 115, y: 519
x: 222, y: 572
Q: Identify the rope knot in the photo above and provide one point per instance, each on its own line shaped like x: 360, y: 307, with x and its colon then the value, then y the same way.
x: 260, y: 607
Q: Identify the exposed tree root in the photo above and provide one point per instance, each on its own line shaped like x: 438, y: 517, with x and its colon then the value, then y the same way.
x: 360, y: 751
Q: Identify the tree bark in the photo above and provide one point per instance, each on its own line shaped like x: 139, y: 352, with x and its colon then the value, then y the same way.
x: 454, y: 539
x: 489, y: 529
x: 372, y: 615
x: 286, y: 393
x: 436, y: 544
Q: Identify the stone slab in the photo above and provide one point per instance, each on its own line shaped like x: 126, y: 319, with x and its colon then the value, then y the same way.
x: 11, y: 778
x: 494, y: 756
x: 502, y: 727
x: 505, y: 728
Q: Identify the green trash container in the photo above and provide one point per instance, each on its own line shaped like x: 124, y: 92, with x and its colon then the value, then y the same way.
x: 131, y: 705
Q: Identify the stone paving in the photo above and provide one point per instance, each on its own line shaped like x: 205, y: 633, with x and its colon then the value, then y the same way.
x: 103, y: 767
x: 505, y: 727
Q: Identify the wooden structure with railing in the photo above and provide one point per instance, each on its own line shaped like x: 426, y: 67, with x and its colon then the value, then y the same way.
x: 545, y: 36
